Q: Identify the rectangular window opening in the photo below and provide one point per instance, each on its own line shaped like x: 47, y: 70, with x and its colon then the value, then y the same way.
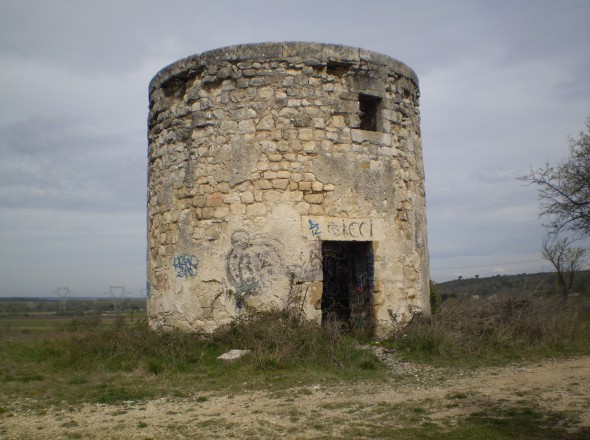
x: 369, y: 112
x: 337, y: 69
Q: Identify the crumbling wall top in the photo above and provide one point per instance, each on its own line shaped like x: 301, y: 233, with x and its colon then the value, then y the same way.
x: 314, y: 54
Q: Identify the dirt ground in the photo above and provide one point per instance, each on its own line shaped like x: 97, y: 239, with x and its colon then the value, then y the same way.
x: 412, y: 395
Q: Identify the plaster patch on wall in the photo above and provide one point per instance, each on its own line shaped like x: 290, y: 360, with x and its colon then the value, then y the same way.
x: 252, y: 264
x: 162, y: 282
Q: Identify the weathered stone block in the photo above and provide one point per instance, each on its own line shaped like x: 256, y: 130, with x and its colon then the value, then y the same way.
x: 266, y: 124
x: 266, y: 92
x: 272, y: 196
x: 305, y: 186
x: 280, y: 183
x: 247, y: 197
x: 246, y: 126
x: 305, y: 134
x: 315, y: 199
x: 263, y: 184
x: 207, y: 213
x: 257, y: 82
x: 296, y: 177
x: 215, y: 199
x: 256, y: 209
x: 237, y: 209
x: 294, y: 196
x: 262, y: 166
x: 316, y: 210
x: 230, y: 198
x: 221, y: 212
x: 233, y: 355
x: 317, y: 186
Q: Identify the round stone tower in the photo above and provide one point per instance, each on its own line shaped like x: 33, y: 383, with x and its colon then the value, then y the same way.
x: 286, y: 175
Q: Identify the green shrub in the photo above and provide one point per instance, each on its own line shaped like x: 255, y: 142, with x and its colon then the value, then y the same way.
x: 82, y: 324
x: 154, y: 365
x: 279, y: 340
x: 488, y: 331
x: 435, y: 297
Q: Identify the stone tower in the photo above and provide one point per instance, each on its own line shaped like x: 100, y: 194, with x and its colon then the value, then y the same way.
x: 286, y: 175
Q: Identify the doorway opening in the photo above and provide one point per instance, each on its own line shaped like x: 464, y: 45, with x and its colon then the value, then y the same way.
x: 348, y: 268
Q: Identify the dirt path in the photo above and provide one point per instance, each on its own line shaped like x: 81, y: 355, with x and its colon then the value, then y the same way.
x: 339, y: 411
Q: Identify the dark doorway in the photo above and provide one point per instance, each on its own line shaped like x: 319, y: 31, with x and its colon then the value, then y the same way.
x: 348, y: 283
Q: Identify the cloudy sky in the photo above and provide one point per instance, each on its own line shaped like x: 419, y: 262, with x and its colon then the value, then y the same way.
x: 503, y: 83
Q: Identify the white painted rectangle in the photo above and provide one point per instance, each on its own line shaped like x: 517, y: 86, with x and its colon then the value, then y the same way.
x: 342, y: 229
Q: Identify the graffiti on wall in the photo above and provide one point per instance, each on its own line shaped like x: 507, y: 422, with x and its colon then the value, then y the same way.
x: 352, y: 229
x: 252, y: 264
x: 343, y: 229
x: 185, y: 265
x: 314, y: 228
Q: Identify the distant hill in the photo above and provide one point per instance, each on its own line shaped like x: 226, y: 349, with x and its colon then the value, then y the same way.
x: 543, y: 283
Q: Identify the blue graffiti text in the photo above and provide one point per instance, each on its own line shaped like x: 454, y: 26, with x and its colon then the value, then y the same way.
x: 314, y: 228
x: 186, y: 265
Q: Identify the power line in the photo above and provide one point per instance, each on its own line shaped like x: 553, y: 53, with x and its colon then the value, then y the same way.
x: 63, y: 293
x: 117, y: 292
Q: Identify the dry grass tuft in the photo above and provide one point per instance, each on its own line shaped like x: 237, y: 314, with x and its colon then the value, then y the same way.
x: 489, y: 331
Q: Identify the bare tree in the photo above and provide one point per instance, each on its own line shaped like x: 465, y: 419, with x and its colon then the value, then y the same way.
x: 564, y: 189
x: 566, y: 259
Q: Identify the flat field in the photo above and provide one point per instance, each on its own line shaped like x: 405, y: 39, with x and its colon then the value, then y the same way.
x: 513, y: 369
x: 40, y: 324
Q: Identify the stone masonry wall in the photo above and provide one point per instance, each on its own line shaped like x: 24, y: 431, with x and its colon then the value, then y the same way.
x: 256, y: 155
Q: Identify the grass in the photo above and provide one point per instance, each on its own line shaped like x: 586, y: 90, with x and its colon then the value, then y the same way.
x: 88, y: 360
x: 85, y: 361
x: 473, y: 333
x: 41, y: 325
x: 492, y: 420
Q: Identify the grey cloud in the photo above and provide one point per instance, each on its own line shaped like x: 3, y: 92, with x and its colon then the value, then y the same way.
x: 497, y: 174
x: 577, y: 86
x: 541, y: 29
x: 49, y: 163
x: 503, y: 84
x: 79, y: 35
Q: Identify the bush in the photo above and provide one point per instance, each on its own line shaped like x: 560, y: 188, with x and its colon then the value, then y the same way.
x: 483, y: 332
x: 435, y: 297
x: 82, y: 324
x: 277, y: 341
